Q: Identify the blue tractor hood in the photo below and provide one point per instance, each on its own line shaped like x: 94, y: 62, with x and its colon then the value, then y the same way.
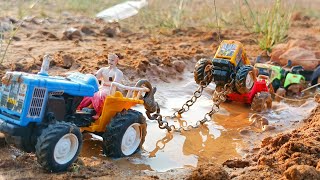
x: 76, y: 84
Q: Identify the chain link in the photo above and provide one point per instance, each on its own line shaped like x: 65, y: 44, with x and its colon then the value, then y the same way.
x: 218, y: 98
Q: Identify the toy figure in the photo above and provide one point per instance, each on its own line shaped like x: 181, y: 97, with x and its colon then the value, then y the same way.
x: 107, y: 75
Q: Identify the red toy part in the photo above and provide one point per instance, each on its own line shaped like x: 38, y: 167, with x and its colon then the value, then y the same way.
x: 259, y: 86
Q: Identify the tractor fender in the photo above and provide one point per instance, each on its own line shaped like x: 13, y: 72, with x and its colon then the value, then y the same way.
x: 293, y: 79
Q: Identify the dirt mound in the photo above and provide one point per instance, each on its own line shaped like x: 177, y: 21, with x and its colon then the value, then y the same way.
x: 302, y: 172
x: 209, y: 172
x: 295, y: 155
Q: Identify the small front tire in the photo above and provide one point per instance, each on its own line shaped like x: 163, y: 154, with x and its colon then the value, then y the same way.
x: 58, y: 146
x: 244, y: 79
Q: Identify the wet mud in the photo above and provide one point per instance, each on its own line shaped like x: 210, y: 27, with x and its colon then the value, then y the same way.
x: 167, y: 59
x: 230, y: 135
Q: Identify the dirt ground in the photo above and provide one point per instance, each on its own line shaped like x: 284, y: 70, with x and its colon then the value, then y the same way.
x: 161, y: 56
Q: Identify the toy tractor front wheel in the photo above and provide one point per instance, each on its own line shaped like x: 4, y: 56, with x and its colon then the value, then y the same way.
x: 261, y: 101
x: 125, y: 134
x: 202, y: 71
x: 58, y: 146
x: 244, y: 79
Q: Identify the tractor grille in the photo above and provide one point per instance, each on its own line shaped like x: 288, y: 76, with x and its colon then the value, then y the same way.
x: 4, y: 99
x: 37, y: 102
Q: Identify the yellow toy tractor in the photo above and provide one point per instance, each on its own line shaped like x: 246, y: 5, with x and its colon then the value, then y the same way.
x: 231, y: 66
x: 230, y: 62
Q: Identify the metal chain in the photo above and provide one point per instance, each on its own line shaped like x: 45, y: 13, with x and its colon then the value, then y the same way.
x: 218, y: 98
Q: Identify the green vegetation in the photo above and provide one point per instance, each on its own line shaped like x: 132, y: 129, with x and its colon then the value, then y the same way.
x: 272, y: 24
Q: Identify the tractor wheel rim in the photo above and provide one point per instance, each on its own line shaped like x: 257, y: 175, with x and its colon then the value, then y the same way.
x: 249, y: 81
x: 131, y: 139
x: 66, y: 148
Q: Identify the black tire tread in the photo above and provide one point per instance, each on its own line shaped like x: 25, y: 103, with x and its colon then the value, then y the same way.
x: 241, y: 79
x: 112, y: 137
x: 199, y: 71
x: 44, y: 141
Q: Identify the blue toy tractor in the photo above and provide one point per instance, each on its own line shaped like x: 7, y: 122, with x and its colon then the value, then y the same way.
x: 38, y: 113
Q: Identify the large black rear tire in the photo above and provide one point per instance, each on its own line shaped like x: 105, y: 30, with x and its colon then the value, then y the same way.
x: 244, y: 79
x: 125, y: 134
x: 201, y: 70
x: 58, y: 146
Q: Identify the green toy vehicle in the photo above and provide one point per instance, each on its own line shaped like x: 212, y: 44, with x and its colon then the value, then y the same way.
x: 281, y: 77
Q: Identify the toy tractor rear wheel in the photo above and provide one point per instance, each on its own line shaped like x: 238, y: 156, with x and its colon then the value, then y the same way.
x: 58, y: 146
x: 261, y: 101
x: 125, y: 134
x: 244, y: 79
x: 202, y: 69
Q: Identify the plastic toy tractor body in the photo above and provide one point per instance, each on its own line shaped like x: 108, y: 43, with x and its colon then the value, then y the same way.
x: 289, y: 79
x: 38, y: 113
x: 231, y: 65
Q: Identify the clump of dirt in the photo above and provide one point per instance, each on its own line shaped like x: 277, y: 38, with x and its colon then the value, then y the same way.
x: 304, y: 172
x: 295, y: 155
x: 236, y: 163
x: 209, y: 172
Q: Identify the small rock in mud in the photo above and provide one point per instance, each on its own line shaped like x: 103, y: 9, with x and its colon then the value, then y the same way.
x: 281, y: 92
x: 184, y: 45
x: 302, y: 172
x: 268, y: 127
x: 44, y: 34
x: 5, y: 24
x: 143, y: 65
x: 298, y: 16
x: 258, y: 121
x: 86, y: 30
x: 72, y: 34
x: 67, y: 61
x: 179, y: 65
x: 317, y: 97
x: 16, y: 38
x: 236, y: 163
x: 209, y: 172
x: 111, y: 30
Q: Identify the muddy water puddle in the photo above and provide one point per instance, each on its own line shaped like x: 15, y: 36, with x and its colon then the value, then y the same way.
x: 216, y: 141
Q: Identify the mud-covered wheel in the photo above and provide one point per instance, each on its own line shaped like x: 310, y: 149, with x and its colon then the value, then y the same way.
x: 58, y: 146
x: 244, y: 79
x: 261, y: 101
x: 276, y: 83
x: 125, y: 134
x: 201, y: 69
